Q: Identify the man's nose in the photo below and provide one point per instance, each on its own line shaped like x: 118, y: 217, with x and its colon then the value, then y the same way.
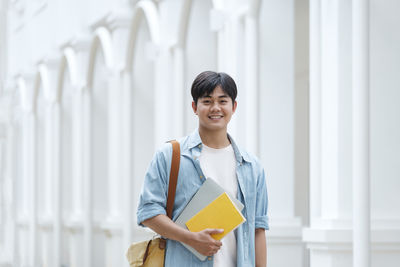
x: 215, y: 106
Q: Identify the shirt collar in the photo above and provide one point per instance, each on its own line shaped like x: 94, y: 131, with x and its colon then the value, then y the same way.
x: 195, y: 140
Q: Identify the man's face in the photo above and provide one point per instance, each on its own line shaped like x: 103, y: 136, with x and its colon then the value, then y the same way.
x: 214, y: 110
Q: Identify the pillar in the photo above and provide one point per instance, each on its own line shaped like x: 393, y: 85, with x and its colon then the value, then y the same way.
x: 282, y: 76
x: 361, y: 137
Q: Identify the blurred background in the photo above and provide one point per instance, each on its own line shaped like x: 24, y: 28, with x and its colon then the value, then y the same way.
x: 89, y: 89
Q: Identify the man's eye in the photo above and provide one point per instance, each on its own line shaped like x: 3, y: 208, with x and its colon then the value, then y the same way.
x: 224, y: 101
x: 206, y: 101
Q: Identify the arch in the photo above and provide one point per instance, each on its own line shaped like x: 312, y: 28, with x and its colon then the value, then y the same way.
x: 103, y: 39
x: 219, y: 4
x: 26, y: 100
x: 254, y: 7
x: 68, y: 62
x: 183, y: 23
x: 42, y: 79
x: 148, y: 11
x: 184, y: 20
x: 198, y: 42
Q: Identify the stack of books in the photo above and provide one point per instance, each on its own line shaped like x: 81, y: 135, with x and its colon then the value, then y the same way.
x: 211, y: 207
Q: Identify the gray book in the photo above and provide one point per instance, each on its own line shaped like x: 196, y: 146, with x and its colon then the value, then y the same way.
x: 209, y: 191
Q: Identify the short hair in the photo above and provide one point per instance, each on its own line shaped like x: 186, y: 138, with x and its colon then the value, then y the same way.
x: 207, y: 81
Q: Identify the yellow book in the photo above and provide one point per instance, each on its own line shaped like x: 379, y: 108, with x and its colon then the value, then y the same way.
x: 221, y: 213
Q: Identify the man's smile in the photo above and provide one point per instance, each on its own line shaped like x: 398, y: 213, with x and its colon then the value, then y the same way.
x: 215, y: 117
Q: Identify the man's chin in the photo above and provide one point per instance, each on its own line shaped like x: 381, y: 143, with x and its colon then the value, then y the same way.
x: 214, y: 127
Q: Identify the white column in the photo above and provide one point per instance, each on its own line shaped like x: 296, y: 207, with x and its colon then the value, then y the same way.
x: 329, y: 235
x: 77, y: 160
x: 251, y: 84
x: 113, y: 224
x: 119, y: 23
x: 178, y: 91
x: 8, y: 182
x: 126, y: 156
x: 361, y: 173
x: 6, y: 205
x: 18, y: 138
x: 29, y: 134
x: 3, y: 42
x: 78, y: 224
x: 77, y: 221
x: 26, y: 232
x: 87, y: 181
x: 114, y: 177
x: 56, y: 177
x: 230, y: 62
x: 315, y: 110
x: 48, y: 161
x: 279, y: 85
x: 161, y: 119
x: 218, y: 22
x: 164, y: 95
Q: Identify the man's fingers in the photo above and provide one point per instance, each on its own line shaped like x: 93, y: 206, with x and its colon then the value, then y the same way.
x: 207, y: 245
x: 214, y: 231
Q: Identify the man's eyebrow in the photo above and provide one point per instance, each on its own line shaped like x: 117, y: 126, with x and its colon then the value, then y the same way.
x: 221, y: 96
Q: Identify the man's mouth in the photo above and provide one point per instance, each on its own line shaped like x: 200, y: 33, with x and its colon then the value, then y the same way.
x: 215, y: 117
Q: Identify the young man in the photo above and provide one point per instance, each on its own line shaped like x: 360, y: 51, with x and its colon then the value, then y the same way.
x: 208, y: 152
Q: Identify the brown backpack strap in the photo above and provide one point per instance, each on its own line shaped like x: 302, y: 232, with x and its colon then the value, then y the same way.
x: 173, y: 176
x: 173, y: 180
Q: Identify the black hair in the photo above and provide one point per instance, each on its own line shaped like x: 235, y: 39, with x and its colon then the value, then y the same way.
x: 207, y: 81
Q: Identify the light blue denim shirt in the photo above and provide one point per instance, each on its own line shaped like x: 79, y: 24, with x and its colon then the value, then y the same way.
x: 252, y: 192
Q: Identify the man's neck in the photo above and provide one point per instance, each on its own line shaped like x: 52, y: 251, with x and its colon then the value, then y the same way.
x: 214, y: 139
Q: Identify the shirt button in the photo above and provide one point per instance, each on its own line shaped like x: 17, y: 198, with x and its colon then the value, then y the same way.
x: 209, y: 258
x: 201, y: 176
x: 195, y: 158
x: 199, y: 145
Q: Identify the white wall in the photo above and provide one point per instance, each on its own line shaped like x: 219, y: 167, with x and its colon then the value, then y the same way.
x: 113, y: 81
x: 329, y: 236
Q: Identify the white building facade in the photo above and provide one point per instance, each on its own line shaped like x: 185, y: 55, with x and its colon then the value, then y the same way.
x: 89, y: 89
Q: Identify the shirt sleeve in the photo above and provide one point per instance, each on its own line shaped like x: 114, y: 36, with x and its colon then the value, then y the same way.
x: 153, y: 197
x: 261, y: 220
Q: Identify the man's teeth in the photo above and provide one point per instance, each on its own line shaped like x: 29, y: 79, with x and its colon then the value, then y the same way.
x: 215, y: 117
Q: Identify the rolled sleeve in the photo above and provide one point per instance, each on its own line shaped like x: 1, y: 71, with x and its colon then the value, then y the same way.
x: 261, y: 218
x: 153, y: 197
x: 149, y: 211
x: 262, y: 222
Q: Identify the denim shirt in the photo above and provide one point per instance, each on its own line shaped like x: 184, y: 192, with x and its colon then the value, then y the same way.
x: 252, y: 192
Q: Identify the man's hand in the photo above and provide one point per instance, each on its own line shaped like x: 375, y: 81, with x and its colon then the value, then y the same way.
x: 204, y: 243
x: 200, y: 241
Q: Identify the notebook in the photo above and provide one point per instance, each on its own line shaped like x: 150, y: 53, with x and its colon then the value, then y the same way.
x: 221, y: 213
x: 209, y: 191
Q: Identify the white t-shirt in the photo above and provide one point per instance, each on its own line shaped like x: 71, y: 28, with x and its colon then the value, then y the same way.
x: 220, y: 165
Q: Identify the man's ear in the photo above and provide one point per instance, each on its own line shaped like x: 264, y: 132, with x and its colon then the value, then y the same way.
x: 194, y: 107
x: 234, y: 106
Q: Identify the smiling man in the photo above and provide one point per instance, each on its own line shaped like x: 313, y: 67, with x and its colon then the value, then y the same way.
x: 208, y: 152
